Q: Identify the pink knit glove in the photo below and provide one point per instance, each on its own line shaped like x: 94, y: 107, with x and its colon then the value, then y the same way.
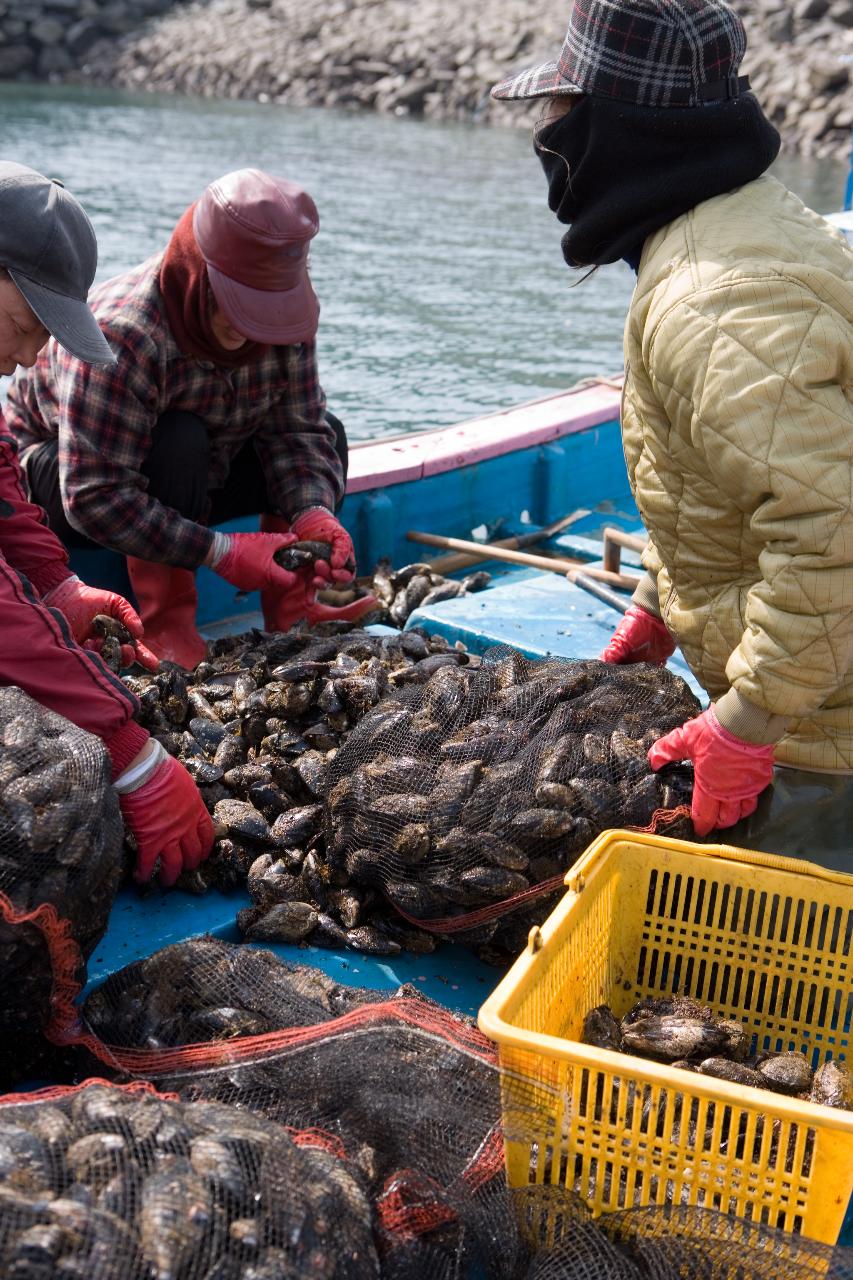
x: 301, y: 603
x: 640, y: 637
x: 249, y: 563
x: 167, y: 816
x: 79, y: 604
x: 728, y: 773
x: 319, y: 525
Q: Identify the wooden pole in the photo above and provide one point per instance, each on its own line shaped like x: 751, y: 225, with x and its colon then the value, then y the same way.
x: 556, y: 564
x: 457, y: 560
x: 600, y: 591
x: 614, y: 540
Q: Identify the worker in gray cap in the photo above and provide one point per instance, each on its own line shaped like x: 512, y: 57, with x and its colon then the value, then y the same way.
x: 48, y: 256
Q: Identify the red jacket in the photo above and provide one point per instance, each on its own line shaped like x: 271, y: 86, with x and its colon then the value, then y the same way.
x: 37, y: 650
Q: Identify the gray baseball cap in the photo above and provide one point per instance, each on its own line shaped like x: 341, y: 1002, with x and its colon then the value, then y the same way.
x: 48, y: 246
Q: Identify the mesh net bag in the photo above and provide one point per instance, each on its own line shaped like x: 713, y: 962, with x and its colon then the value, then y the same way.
x: 108, y: 1183
x: 683, y: 1243
x: 408, y: 1091
x: 412, y: 1095
x: 204, y: 990
x: 701, y: 1243
x: 472, y: 794
x: 60, y: 864
x: 272, y: 726
x: 102, y: 1182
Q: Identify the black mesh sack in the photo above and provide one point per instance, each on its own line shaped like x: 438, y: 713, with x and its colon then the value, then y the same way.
x: 60, y: 862
x: 108, y: 1183
x: 204, y: 990
x: 407, y: 1090
x: 463, y: 796
x: 672, y: 1243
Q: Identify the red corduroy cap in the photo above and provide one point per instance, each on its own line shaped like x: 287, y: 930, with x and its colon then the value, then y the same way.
x: 254, y: 232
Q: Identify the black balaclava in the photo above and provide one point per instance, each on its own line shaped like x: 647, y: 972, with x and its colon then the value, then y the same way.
x: 617, y: 172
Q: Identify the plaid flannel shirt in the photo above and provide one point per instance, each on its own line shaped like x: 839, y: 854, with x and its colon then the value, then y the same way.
x: 104, y: 416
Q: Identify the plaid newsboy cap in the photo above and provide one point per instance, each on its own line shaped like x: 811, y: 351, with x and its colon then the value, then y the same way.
x: 655, y: 53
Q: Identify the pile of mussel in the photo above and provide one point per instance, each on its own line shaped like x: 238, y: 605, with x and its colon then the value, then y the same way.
x: 257, y: 725
x: 350, y: 774
x: 684, y: 1033
x: 400, y: 592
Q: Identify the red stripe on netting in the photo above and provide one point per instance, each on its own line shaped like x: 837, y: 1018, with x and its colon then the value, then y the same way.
x: 484, y: 915
x: 410, y: 1205
x: 410, y: 1012
x: 65, y: 957
x: 54, y: 1093
x: 487, y: 1163
x: 317, y: 1140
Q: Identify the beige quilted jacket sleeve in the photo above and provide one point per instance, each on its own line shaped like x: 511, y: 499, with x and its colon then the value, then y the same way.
x: 755, y: 378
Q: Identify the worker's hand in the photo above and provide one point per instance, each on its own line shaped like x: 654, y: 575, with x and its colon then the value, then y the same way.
x: 249, y: 563
x: 728, y: 773
x: 319, y: 525
x: 640, y: 637
x: 301, y: 602
x: 167, y: 817
x: 79, y: 604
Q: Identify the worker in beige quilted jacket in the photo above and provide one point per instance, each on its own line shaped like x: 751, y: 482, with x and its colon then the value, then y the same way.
x: 737, y: 419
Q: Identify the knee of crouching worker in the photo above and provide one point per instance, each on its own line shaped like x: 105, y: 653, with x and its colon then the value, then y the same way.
x: 177, y: 463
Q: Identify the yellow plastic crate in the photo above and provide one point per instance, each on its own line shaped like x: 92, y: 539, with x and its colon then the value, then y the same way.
x: 762, y: 939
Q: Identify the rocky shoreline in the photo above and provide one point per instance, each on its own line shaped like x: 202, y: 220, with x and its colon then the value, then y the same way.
x: 436, y: 58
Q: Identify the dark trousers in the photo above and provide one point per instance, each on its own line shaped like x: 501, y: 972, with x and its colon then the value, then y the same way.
x: 177, y: 471
x: 802, y: 815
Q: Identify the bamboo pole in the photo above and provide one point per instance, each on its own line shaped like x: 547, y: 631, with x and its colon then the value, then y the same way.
x: 557, y: 564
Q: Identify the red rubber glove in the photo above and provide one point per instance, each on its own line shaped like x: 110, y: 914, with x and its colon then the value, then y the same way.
x: 248, y: 563
x: 168, y: 818
x: 319, y: 525
x: 79, y: 604
x: 640, y: 637
x: 301, y: 602
x: 728, y: 773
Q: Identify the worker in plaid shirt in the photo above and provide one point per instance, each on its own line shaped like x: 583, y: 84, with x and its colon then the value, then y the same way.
x: 212, y: 411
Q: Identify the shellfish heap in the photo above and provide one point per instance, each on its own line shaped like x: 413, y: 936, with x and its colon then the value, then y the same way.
x: 257, y: 725
x: 463, y: 782
x: 60, y: 850
x: 399, y: 592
